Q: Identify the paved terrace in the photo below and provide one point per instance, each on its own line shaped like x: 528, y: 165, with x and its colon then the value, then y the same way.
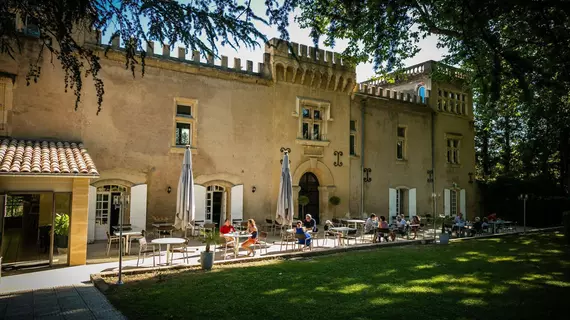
x: 98, y: 262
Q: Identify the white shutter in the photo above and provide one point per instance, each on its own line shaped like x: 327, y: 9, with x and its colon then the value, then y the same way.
x: 199, y: 203
x: 462, y: 203
x: 237, y: 202
x: 92, y: 205
x: 447, y: 203
x: 138, y: 206
x: 392, y: 204
x: 412, y: 203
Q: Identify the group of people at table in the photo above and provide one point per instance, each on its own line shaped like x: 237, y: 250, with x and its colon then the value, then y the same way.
x: 371, y: 226
x: 399, y: 226
x: 306, y: 227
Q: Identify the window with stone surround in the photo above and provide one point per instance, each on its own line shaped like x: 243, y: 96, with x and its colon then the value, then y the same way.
x: 185, y: 117
x: 401, y: 144
x: 6, y: 86
x: 314, y: 116
x: 453, y: 147
x: 353, y: 134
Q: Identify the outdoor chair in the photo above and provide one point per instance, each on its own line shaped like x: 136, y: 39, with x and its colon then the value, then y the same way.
x: 277, y: 225
x: 350, y: 235
x: 236, y: 223
x: 330, y: 234
x: 286, y: 238
x: 268, y: 225
x: 224, y: 245
x: 113, y: 239
x: 209, y: 227
x: 302, y: 237
x: 135, y: 238
x: 164, y: 232
x: 261, y: 242
x: 198, y: 225
x: 144, y: 249
x: 384, y: 232
x: 182, y: 249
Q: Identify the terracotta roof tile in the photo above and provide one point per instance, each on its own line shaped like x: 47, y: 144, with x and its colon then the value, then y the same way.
x: 45, y: 157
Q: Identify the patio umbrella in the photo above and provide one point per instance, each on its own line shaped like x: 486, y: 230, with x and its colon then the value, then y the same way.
x: 185, y: 194
x: 285, y: 211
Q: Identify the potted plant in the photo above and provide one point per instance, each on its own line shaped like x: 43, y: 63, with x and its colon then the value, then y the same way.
x: 207, y: 257
x: 444, y: 236
x: 61, y: 231
x: 303, y: 201
x: 334, y: 201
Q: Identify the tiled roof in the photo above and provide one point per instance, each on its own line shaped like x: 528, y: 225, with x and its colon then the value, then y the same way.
x: 45, y: 157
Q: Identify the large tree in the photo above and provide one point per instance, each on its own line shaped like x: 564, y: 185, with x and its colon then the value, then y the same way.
x: 200, y: 25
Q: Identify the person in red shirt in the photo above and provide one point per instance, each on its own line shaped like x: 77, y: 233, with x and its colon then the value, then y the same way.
x: 227, y: 228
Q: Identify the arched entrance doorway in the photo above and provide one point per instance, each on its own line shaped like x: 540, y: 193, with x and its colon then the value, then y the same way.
x: 215, y: 204
x: 310, y: 188
x: 106, y: 211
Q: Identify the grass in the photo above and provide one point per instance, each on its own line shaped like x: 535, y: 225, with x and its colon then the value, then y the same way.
x: 507, y: 278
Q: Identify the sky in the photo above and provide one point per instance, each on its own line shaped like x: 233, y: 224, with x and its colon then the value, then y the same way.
x: 364, y: 71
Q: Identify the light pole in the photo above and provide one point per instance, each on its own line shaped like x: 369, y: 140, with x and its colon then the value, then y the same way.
x: 120, y: 203
x: 434, y: 196
x: 524, y: 198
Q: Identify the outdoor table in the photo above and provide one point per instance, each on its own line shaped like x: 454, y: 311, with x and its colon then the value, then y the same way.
x: 342, y: 230
x: 355, y: 222
x: 162, y: 224
x: 167, y: 242
x: 236, y: 236
x: 127, y: 235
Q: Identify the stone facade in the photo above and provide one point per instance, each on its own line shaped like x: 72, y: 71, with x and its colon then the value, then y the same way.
x: 239, y: 121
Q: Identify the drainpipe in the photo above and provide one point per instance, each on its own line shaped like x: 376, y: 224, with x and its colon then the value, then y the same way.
x: 362, y: 107
x: 433, y: 151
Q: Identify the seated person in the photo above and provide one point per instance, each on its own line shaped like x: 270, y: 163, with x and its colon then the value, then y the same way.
x: 416, y: 227
x: 228, y: 228
x: 477, y: 227
x: 252, y: 229
x: 485, y: 224
x: 371, y: 224
x: 401, y: 226
x: 310, y: 223
x: 383, y: 224
x: 458, y: 224
x: 299, y: 230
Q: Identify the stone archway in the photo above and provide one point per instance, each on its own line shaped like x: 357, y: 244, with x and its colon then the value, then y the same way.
x: 326, y: 185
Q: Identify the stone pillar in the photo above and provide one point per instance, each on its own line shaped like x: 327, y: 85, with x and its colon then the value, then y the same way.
x: 77, y: 246
x: 324, y: 205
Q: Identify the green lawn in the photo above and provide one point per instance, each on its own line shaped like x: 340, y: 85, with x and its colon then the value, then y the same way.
x: 502, y: 278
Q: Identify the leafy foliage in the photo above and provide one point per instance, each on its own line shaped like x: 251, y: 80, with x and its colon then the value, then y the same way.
x: 198, y: 24
x: 61, y: 227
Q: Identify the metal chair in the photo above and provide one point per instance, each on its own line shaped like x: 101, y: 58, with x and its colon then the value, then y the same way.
x: 303, y: 237
x: 224, y: 244
x: 183, y: 249
x: 286, y: 238
x: 144, y: 249
x: 261, y: 242
x: 112, y: 239
x: 350, y: 235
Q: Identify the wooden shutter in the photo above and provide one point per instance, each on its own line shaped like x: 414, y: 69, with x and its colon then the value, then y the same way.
x: 237, y: 202
x: 462, y: 202
x: 199, y: 203
x: 92, y: 205
x: 392, y: 203
x: 447, y: 203
x: 412, y: 203
x: 138, y: 206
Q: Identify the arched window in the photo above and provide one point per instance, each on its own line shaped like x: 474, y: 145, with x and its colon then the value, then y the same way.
x: 422, y: 92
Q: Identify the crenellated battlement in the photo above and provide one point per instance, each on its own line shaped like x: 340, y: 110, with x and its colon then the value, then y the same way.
x: 181, y: 54
x: 391, y: 94
x: 305, y: 53
x: 309, y: 66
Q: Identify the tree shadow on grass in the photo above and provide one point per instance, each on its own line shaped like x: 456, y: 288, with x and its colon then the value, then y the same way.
x: 508, y: 278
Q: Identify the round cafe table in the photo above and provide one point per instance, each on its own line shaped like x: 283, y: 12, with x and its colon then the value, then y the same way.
x: 167, y: 242
x: 236, y: 236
